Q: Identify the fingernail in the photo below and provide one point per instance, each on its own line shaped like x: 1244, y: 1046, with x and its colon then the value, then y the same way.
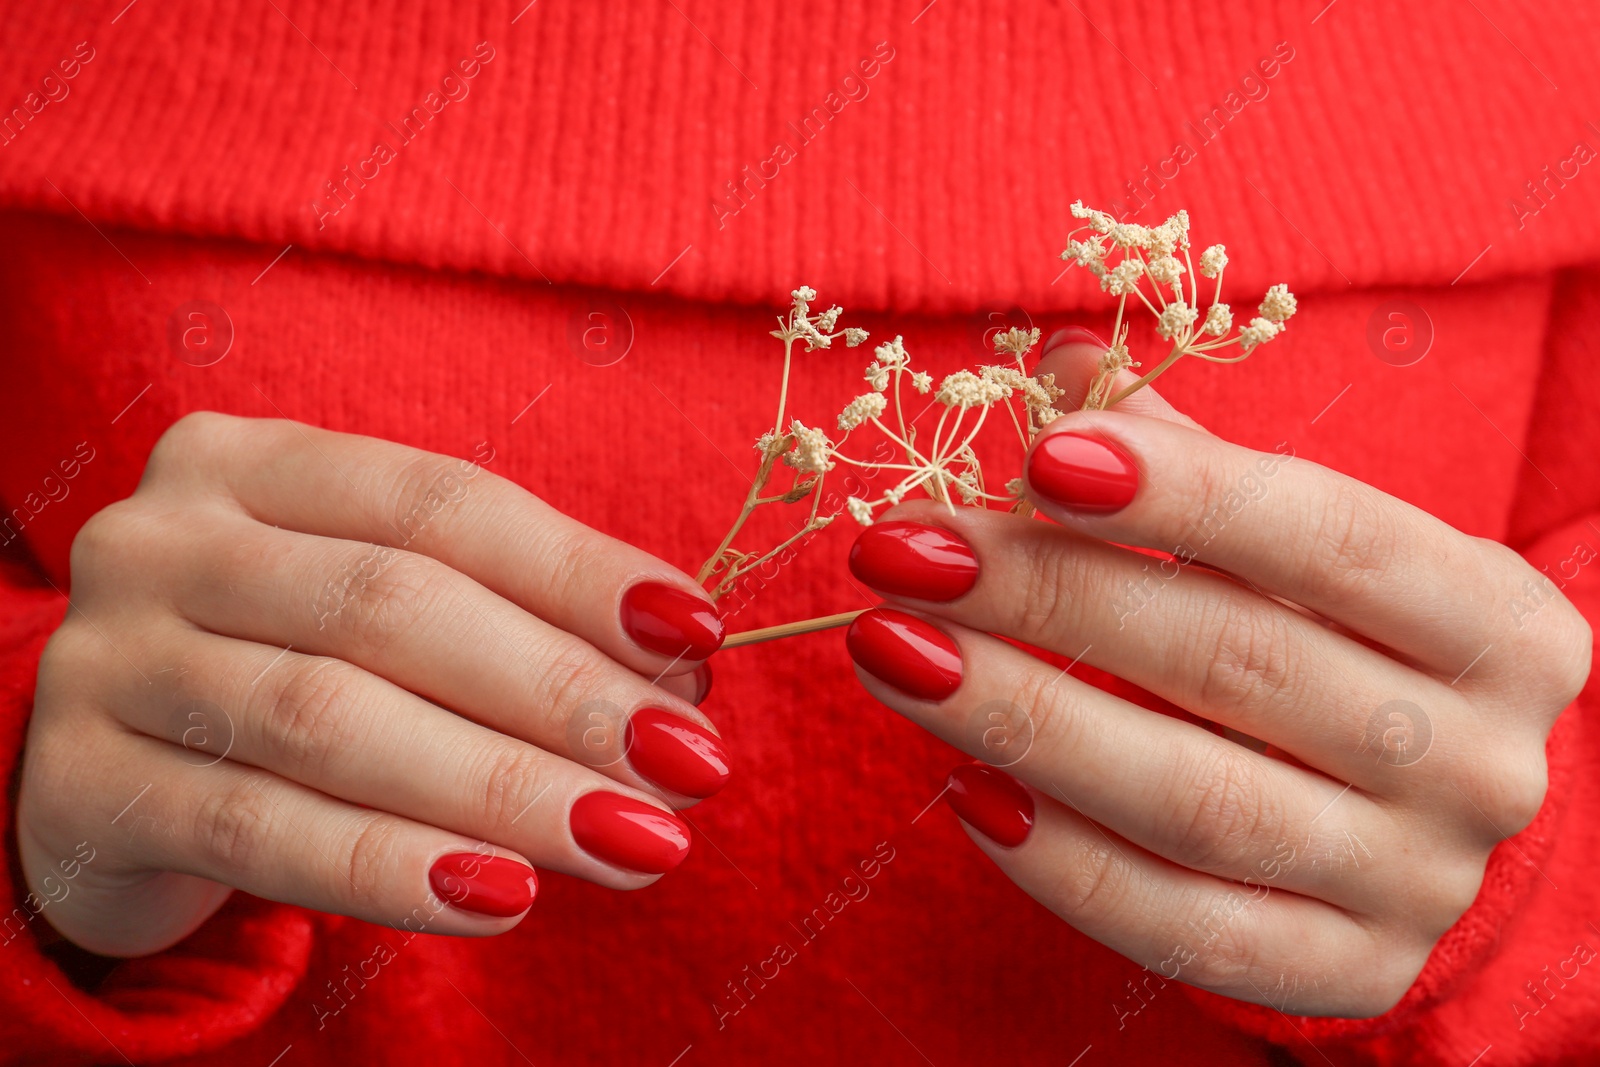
x: 913, y: 560
x: 905, y: 652
x: 628, y: 833
x: 671, y: 621
x: 992, y: 803
x: 1083, y: 473
x: 675, y: 753
x: 1072, y: 335
x: 702, y: 678
x: 487, y: 885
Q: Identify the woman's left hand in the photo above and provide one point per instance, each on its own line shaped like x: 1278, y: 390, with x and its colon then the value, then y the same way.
x: 1401, y: 703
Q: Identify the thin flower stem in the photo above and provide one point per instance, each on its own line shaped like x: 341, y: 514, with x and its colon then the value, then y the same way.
x: 1177, y: 353
x: 783, y: 390
x: 790, y: 629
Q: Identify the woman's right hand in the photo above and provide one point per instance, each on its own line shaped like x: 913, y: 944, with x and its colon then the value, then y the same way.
x: 346, y: 674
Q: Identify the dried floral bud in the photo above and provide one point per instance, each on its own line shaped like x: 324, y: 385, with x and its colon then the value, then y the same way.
x: 811, y: 448
x: 921, y: 381
x: 1259, y: 332
x: 1212, y: 260
x: 854, y: 336
x: 1099, y: 221
x: 1087, y: 254
x: 964, y: 389
x: 804, y: 295
x: 894, y: 496
x: 1045, y: 416
x: 1219, y: 320
x: 1123, y: 278
x: 1048, y: 383
x: 1035, y: 395
x: 892, y: 353
x: 877, y: 376
x: 827, y: 320
x: 820, y: 521
x: 814, y: 340
x: 1008, y: 376
x: 1129, y: 235
x: 967, y: 486
x: 766, y: 442
x: 1114, y: 359
x: 1279, y: 304
x: 1014, y: 487
x: 863, y: 408
x: 1166, y: 269
x: 1016, y: 341
x: 859, y: 510
x: 1175, y: 319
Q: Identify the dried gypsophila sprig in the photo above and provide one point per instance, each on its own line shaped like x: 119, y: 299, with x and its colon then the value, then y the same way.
x: 1123, y: 255
x: 798, y: 447
x: 946, y: 466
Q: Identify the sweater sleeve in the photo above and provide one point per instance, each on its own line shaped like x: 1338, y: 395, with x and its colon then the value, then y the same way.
x: 1511, y: 975
x: 63, y: 1006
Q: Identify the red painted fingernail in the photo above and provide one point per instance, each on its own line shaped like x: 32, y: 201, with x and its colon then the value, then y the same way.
x: 702, y: 678
x: 675, y: 753
x: 913, y: 560
x: 628, y: 833
x: 991, y: 802
x: 906, y: 652
x: 488, y: 885
x: 671, y: 621
x: 1072, y: 335
x: 1084, y: 473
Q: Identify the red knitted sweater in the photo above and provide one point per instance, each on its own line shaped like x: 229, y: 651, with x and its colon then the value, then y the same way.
x: 562, y: 230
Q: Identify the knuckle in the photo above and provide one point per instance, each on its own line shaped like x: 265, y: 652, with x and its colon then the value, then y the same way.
x: 1252, y: 658
x: 1556, y: 656
x: 101, y: 540
x: 1057, y: 721
x: 1519, y: 797
x: 1094, y: 883
x: 382, y: 608
x: 1351, y: 542
x: 233, y: 825
x: 512, y: 776
x: 1382, y: 978
x: 1054, y: 566
x: 570, y: 674
x: 1220, y: 809
x: 372, y: 855
x: 423, y: 487
x: 307, y: 720
x: 186, y: 438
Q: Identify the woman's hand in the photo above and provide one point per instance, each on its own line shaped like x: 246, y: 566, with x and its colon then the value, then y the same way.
x: 342, y: 673
x: 1402, y: 707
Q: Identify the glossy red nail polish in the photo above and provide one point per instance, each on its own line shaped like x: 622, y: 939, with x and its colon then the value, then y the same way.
x: 1072, y: 335
x: 905, y: 652
x: 671, y: 621
x: 628, y: 833
x: 487, y: 885
x: 1083, y: 472
x: 675, y: 753
x: 913, y: 560
x: 991, y: 802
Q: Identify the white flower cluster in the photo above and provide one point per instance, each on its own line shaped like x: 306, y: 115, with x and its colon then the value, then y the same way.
x: 816, y: 330
x: 1122, y: 255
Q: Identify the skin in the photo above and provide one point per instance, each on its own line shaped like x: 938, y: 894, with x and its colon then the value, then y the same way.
x: 432, y: 699
x: 1307, y: 869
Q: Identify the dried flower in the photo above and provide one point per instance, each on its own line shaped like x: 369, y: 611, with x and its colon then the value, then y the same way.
x: 1175, y: 319
x: 1212, y: 260
x: 921, y: 381
x: 1166, y: 269
x: 859, y: 510
x: 1259, y: 332
x: 877, y: 376
x: 854, y: 336
x: 1219, y: 320
x: 1278, y: 304
x: 1017, y: 341
x: 892, y: 353
x: 1124, y: 278
x: 863, y: 408
x: 963, y: 389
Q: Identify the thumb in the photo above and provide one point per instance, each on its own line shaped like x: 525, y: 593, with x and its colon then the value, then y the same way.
x: 1073, y: 356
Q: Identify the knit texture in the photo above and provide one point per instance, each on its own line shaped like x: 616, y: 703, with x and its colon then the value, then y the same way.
x: 584, y: 171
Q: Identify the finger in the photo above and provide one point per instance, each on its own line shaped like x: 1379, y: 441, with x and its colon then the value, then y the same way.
x: 1190, y: 636
x: 1073, y: 355
x: 1355, y: 555
x: 415, y: 622
x: 340, y: 730
x: 270, y: 837
x: 632, y: 606
x: 1249, y: 941
x: 1169, y: 786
